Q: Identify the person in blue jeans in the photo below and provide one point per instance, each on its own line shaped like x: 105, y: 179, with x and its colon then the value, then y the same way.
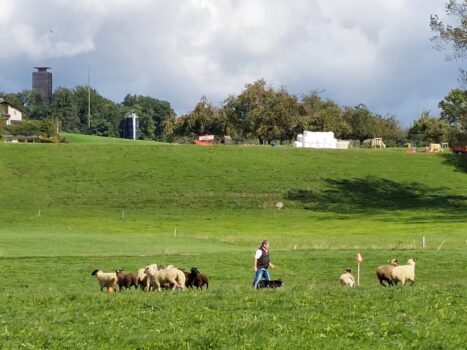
x: 261, y: 263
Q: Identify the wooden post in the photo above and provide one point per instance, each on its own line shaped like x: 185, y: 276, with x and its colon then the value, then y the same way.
x: 358, y: 274
x: 359, y: 260
x: 423, y: 242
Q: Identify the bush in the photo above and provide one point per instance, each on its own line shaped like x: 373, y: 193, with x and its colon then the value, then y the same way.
x: 25, y: 128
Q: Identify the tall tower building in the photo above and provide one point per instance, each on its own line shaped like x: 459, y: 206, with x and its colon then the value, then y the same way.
x: 42, y: 81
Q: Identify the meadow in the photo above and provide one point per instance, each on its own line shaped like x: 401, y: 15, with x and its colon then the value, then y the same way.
x: 95, y: 202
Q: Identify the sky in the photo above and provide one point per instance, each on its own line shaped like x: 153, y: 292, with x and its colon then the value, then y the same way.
x: 375, y: 52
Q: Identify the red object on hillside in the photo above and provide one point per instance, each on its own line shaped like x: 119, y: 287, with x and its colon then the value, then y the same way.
x: 205, y: 140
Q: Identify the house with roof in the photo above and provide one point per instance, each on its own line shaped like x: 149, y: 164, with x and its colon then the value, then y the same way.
x: 10, y: 113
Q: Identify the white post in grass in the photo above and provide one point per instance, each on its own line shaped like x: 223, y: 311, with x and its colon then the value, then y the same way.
x: 39, y: 212
x: 123, y: 214
x: 175, y: 232
x: 359, y: 260
x: 423, y: 242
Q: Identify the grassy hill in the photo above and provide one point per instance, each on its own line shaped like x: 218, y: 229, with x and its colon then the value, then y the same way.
x: 149, y: 188
x: 95, y: 202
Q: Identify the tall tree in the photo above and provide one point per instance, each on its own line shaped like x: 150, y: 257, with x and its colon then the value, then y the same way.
x: 454, y: 109
x: 64, y: 110
x: 204, y: 119
x: 429, y: 129
x: 153, y: 113
x: 324, y: 116
x: 361, y: 121
x: 454, y: 35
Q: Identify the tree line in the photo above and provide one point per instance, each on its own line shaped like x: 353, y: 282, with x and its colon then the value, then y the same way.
x: 259, y: 114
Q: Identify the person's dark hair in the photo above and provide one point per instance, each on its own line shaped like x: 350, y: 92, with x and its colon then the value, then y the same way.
x: 264, y: 242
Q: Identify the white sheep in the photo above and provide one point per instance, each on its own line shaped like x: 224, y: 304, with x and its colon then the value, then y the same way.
x: 143, y: 279
x: 171, y: 275
x: 346, y: 279
x: 106, y: 279
x: 404, y: 273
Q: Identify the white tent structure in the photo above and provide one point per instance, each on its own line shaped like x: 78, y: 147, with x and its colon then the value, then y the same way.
x: 312, y: 139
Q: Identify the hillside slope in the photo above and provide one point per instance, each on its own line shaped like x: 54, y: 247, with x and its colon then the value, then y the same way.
x: 151, y: 188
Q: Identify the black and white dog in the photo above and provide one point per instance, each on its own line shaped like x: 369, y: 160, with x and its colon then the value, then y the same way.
x: 270, y: 284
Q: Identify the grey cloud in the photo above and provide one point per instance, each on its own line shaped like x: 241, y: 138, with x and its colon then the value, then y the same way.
x: 377, y: 52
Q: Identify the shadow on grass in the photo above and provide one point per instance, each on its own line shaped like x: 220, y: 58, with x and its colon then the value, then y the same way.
x: 458, y: 161
x: 375, y: 195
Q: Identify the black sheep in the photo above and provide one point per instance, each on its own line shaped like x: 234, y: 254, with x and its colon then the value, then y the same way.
x: 197, y: 279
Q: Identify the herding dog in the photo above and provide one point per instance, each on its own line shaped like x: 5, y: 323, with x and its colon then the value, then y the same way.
x: 270, y: 284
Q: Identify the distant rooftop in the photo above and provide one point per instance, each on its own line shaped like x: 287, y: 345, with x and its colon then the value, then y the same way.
x: 42, y: 69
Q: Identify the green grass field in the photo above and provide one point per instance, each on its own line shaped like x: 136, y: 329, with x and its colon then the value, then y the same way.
x: 96, y: 202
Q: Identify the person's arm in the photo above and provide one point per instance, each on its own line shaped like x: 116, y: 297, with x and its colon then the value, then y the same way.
x: 255, y: 262
x: 272, y: 265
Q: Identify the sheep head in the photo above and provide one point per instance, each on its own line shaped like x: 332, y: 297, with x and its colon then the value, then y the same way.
x: 95, y: 272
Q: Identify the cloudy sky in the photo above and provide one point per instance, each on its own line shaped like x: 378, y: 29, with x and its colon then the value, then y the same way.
x: 376, y: 52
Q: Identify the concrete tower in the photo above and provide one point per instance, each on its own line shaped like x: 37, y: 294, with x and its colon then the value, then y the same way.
x: 42, y: 81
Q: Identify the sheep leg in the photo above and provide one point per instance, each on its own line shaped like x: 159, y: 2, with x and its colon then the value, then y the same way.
x: 158, y: 286
x: 174, y: 283
x: 148, y: 284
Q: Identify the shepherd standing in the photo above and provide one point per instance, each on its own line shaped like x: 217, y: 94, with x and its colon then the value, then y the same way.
x: 261, y: 263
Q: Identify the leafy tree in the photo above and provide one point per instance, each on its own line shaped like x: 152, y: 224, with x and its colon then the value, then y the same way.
x: 456, y: 36
x: 429, y: 129
x: 390, y: 130
x: 324, y: 116
x: 454, y: 109
x: 64, y: 110
x: 246, y: 112
x: 204, y: 119
x: 361, y: 121
x: 261, y: 112
x: 33, y: 105
x: 105, y: 117
x: 153, y: 115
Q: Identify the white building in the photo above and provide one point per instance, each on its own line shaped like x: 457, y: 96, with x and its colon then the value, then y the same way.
x: 10, y: 113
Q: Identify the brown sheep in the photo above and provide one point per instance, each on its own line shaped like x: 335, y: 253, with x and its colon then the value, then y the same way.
x: 126, y: 280
x: 383, y: 273
x: 198, y: 279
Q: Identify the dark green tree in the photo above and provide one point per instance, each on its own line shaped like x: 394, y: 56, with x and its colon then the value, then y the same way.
x: 428, y: 129
x: 324, y: 116
x: 204, y: 119
x: 454, y: 109
x: 154, y: 115
x: 64, y: 110
x: 361, y: 121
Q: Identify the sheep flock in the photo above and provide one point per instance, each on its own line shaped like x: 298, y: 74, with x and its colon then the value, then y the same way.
x: 391, y: 273
x: 157, y: 277
x: 150, y: 278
